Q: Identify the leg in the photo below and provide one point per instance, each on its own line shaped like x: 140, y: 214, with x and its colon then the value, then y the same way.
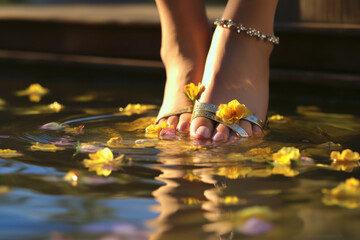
x: 237, y: 67
x: 184, y: 46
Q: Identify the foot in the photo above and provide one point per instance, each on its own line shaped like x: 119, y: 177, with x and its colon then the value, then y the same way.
x: 237, y: 67
x: 180, y: 71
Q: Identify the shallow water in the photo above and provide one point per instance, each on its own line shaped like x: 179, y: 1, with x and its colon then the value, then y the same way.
x: 168, y: 191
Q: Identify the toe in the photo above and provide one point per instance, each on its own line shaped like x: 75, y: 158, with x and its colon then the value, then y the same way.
x: 247, y: 127
x: 221, y: 133
x: 257, y: 131
x: 183, y: 125
x: 201, y: 128
x: 173, y: 120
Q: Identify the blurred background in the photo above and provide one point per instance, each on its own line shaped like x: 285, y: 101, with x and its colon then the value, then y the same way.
x: 319, y: 39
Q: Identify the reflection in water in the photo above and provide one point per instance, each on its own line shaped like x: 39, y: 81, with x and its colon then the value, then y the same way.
x: 174, y: 188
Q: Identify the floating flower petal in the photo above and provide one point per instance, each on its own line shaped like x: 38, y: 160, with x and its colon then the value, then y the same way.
x: 53, y: 126
x: 75, y: 130
x: 87, y: 148
x: 232, y: 112
x: 136, y: 108
x: 103, y: 162
x: 286, y: 154
x: 156, y: 128
x: 193, y: 92
x: 35, y: 92
x: 115, y: 142
x: 45, y: 147
x: 346, y: 155
x: 56, y: 106
x: 195, y: 148
x: 8, y: 153
x: 145, y: 143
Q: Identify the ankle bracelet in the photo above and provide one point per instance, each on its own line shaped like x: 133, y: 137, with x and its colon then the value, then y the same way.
x: 249, y: 31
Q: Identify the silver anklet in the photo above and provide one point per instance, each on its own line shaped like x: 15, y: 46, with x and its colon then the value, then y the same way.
x: 249, y: 31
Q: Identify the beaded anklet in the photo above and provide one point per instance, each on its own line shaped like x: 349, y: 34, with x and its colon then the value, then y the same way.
x: 249, y: 31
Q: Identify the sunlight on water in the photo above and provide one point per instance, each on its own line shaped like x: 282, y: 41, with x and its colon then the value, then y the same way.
x: 137, y: 186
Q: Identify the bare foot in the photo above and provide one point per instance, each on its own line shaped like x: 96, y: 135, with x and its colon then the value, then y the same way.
x: 185, y: 43
x: 237, y: 67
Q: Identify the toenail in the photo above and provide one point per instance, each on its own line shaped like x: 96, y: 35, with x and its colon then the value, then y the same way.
x: 183, y: 127
x: 218, y: 137
x: 203, y: 132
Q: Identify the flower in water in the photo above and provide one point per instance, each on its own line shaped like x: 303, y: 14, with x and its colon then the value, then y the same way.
x: 232, y: 112
x: 195, y: 148
x: 75, y: 130
x: 193, y: 92
x: 277, y: 118
x: 103, y: 162
x: 145, y: 143
x: 346, y: 194
x: 9, y: 153
x: 45, y: 147
x: 286, y: 154
x: 53, y: 126
x: 232, y: 200
x: 156, y: 128
x: 35, y: 92
x: 87, y: 148
x: 72, y: 177
x: 346, y: 155
x: 115, y: 142
x: 56, y: 106
x: 136, y: 108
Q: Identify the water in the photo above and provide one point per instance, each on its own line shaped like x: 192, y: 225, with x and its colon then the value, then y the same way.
x: 168, y: 191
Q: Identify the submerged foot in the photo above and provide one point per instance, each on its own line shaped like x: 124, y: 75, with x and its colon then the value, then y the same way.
x: 237, y: 67
x: 184, y: 46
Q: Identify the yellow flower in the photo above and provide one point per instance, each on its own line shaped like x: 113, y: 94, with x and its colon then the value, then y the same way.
x: 35, y: 92
x: 193, y: 92
x: 232, y: 200
x: 346, y: 194
x: 56, y: 106
x: 346, y: 155
x: 72, y: 177
x: 103, y: 162
x: 75, y: 130
x: 115, y: 142
x: 194, y: 148
x: 276, y: 117
x: 45, y: 147
x: 156, y: 128
x: 136, y: 108
x: 8, y: 153
x: 286, y: 154
x: 232, y: 112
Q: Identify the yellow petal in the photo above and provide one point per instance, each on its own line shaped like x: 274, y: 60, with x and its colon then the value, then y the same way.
x: 286, y: 154
x: 115, y: 142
